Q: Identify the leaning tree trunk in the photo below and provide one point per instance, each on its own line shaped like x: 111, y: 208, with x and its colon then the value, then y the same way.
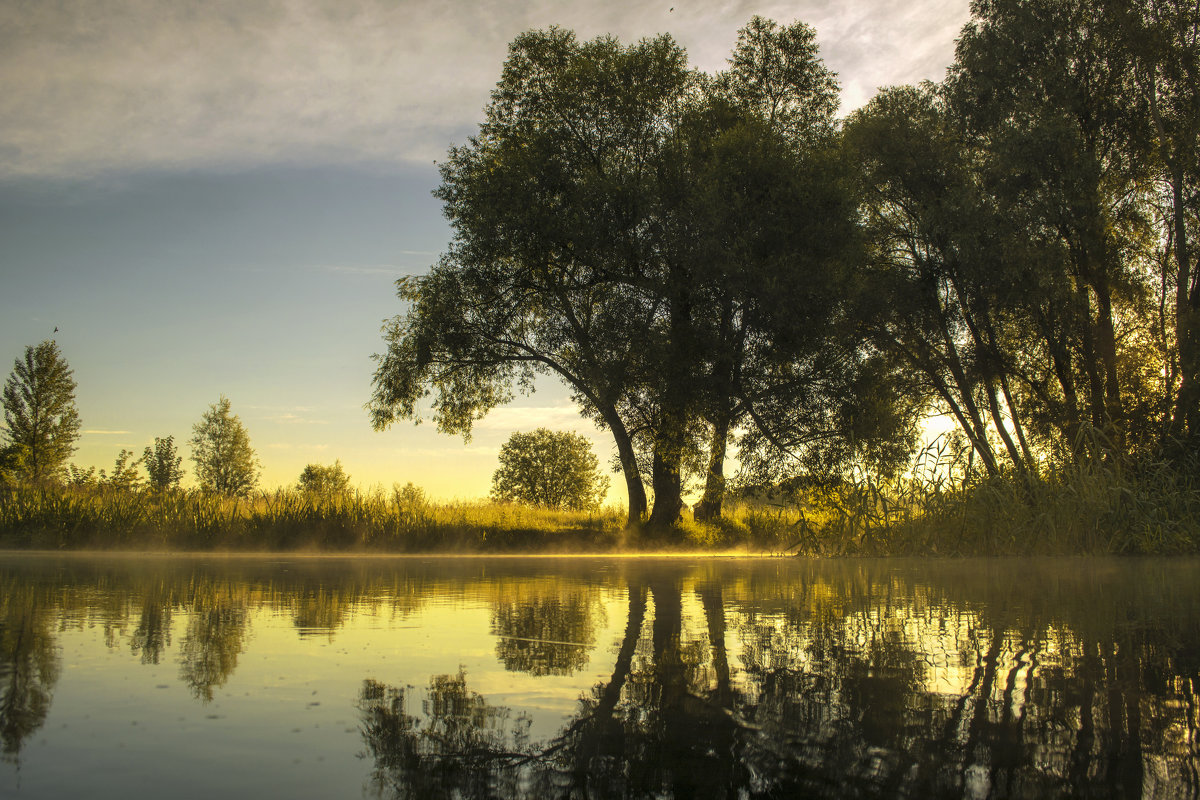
x: 635, y: 490
x: 709, y: 507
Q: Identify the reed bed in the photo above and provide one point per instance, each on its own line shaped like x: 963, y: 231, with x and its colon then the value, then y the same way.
x: 399, y: 521
x: 1089, y: 507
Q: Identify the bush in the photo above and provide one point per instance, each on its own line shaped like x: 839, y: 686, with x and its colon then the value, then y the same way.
x: 554, y: 469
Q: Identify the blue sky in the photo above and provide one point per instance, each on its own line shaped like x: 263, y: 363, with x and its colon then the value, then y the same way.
x: 215, y: 198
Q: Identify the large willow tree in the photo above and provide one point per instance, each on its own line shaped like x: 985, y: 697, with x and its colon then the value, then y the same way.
x: 650, y: 235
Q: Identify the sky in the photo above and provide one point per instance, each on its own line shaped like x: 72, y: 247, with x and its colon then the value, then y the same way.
x: 215, y: 197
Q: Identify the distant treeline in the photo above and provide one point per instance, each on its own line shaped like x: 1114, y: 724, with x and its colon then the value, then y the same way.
x: 712, y: 258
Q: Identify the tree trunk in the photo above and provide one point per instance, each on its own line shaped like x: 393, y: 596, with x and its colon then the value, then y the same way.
x: 709, y: 507
x: 1106, y: 343
x: 1187, y: 322
x: 1014, y: 454
x: 1185, y: 421
x: 667, y: 483
x: 635, y: 490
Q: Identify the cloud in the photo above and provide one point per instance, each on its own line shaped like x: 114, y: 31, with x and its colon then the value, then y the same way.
x: 96, y: 86
x: 518, y: 418
x: 348, y: 269
x: 295, y: 419
x: 107, y: 433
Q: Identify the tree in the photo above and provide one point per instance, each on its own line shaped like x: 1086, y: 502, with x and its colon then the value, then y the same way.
x: 39, y: 411
x: 556, y: 469
x: 163, y: 464
x: 1044, y: 90
x: 125, y: 472
x: 758, y: 232
x: 225, y: 462
x: 12, y: 464
x: 324, y: 481
x: 640, y: 230
x: 948, y: 276
x: 1163, y: 40
x: 550, y: 269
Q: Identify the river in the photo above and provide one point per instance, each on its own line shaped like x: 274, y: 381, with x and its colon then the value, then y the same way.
x: 327, y: 677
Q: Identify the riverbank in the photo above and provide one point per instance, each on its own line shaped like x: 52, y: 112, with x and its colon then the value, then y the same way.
x: 1090, y: 509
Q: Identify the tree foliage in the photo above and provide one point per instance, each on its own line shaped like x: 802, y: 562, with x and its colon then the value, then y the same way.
x: 125, y: 474
x: 324, y: 481
x: 646, y: 233
x: 163, y: 464
x: 225, y: 462
x: 707, y: 259
x: 39, y: 411
x: 555, y: 469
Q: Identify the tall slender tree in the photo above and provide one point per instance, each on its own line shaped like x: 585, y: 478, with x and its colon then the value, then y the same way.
x: 39, y: 411
x: 225, y: 462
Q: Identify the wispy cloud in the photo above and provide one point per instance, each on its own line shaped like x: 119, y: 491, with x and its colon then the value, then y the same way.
x: 515, y: 418
x: 295, y: 419
x: 92, y: 86
x: 386, y: 269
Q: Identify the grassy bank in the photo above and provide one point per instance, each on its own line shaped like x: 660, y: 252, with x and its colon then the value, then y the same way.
x: 403, y: 522
x: 1149, y: 508
x: 1090, y: 508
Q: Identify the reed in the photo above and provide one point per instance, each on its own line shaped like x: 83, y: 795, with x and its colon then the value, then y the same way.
x: 1091, y: 507
x: 1085, y: 507
x: 398, y: 521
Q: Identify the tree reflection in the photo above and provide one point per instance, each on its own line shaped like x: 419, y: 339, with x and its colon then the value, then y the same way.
x: 547, y: 634
x: 851, y: 689
x: 652, y: 728
x: 214, y: 639
x: 460, y: 746
x: 29, y: 665
x: 153, y: 633
x: 320, y: 611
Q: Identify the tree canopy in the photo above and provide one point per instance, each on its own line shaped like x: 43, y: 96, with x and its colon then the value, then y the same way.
x: 324, y: 481
x: 642, y: 231
x: 555, y: 469
x: 225, y: 462
x: 712, y: 258
x: 163, y: 464
x: 41, y: 422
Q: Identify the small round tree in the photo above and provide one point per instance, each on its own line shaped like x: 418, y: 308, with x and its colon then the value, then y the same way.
x: 324, y: 481
x: 225, y: 461
x: 549, y: 468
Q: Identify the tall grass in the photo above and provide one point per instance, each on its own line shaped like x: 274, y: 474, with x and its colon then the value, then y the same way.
x: 1087, y: 506
x: 397, y: 521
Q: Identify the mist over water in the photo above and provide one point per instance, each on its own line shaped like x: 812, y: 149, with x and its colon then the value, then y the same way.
x: 597, y: 676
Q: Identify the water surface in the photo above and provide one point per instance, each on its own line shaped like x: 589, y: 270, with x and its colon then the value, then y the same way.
x: 597, y: 677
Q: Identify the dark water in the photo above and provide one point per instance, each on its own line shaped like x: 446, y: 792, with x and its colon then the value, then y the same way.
x: 592, y: 677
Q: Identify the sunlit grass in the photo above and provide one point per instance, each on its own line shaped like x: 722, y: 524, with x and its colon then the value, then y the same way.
x: 398, y: 521
x: 1089, y: 508
x: 1147, y: 507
